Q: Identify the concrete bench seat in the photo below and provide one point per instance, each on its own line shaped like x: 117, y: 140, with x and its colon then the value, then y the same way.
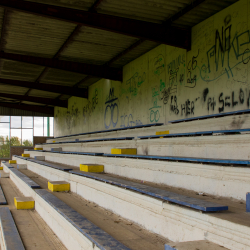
x: 112, y: 130
x: 156, y: 192
x: 211, y: 116
x: 184, y: 159
x: 10, y: 238
x: 93, y: 140
x: 22, y: 176
x: 233, y: 131
x: 46, y: 164
x: 96, y: 235
x: 2, y: 197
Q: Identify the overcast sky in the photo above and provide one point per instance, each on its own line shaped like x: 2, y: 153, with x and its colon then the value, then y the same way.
x: 27, y: 123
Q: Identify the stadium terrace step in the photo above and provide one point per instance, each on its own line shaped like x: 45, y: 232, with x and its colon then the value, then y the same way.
x: 45, y: 163
x: 26, y: 179
x: 96, y: 235
x: 234, y: 131
x: 166, y: 158
x: 183, y: 159
x: 211, y: 116
x: 111, y: 130
x: 10, y: 238
x: 169, y: 220
x: 157, y: 193
x: 92, y: 140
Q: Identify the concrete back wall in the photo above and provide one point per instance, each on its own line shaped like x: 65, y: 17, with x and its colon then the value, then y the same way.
x: 169, y: 83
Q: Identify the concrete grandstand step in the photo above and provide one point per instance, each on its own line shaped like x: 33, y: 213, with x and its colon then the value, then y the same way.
x: 98, y: 238
x: 184, y: 159
x: 219, y: 146
x: 229, y: 229
x: 235, y: 121
x: 10, y: 238
x: 214, y: 179
x: 25, y: 179
x: 158, y: 193
x: 34, y: 232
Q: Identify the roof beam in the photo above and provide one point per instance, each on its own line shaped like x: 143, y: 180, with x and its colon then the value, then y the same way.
x: 151, y: 31
x: 82, y: 68
x: 33, y: 108
x: 79, y: 92
x: 46, y: 101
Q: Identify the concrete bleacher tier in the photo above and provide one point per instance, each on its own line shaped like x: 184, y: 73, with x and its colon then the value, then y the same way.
x: 176, y: 222
x: 200, y: 167
x: 64, y: 213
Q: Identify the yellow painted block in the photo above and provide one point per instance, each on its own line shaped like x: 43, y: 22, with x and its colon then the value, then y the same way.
x: 91, y: 168
x: 25, y: 155
x: 162, y: 132
x: 58, y: 186
x: 12, y: 161
x: 24, y: 202
x: 54, y: 141
x: 1, y: 168
x: 38, y: 148
x: 124, y: 151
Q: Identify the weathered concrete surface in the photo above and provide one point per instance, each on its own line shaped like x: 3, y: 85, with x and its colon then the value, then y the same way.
x: 176, y: 223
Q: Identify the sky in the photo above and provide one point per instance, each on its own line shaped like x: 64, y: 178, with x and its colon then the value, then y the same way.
x: 27, y: 123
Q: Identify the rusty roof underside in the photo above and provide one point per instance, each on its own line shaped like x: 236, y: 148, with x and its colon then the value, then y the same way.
x: 51, y: 50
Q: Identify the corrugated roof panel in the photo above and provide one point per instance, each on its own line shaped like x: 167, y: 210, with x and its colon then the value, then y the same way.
x: 45, y: 94
x: 147, y: 10
x: 35, y: 35
x: 76, y: 4
x: 89, y: 82
x: 4, y: 88
x: 61, y: 77
x: 96, y: 46
x: 143, y: 48
x: 20, y: 71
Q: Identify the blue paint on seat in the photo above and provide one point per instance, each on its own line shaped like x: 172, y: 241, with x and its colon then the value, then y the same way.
x: 211, y: 116
x: 91, y: 140
x: 232, y: 131
x: 11, y: 237
x: 96, y: 235
x: 185, y: 159
x: 248, y: 202
x: 167, y: 247
x: 2, y: 197
x: 197, y: 204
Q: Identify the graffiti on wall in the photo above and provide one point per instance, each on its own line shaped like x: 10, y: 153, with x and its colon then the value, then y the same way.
x: 111, y: 113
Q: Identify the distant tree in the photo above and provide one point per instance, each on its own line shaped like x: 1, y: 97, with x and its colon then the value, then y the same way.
x: 15, y: 141
x: 4, y: 147
x: 27, y: 143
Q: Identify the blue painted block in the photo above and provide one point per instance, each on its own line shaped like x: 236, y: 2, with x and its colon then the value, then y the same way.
x: 96, y: 235
x: 156, y: 192
x: 248, y: 202
x: 11, y: 237
x: 167, y: 247
x: 76, y: 140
